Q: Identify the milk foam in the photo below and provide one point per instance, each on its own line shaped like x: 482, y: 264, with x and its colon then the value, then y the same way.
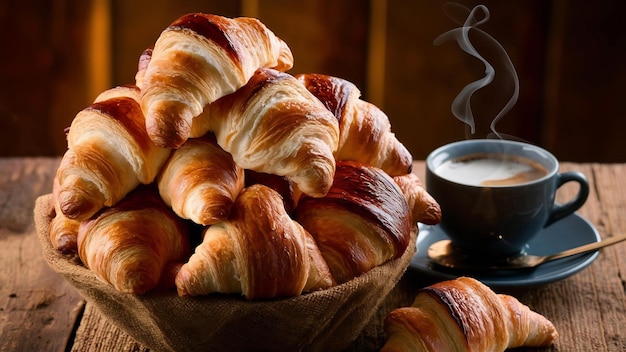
x: 487, y: 171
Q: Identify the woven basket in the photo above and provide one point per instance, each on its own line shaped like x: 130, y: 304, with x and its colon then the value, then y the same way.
x: 327, y: 320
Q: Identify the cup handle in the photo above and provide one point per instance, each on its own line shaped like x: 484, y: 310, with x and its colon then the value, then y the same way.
x: 560, y: 211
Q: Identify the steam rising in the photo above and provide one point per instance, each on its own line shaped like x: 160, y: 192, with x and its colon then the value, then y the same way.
x: 461, y: 106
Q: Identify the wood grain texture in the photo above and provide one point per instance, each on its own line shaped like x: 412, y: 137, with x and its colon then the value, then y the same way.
x: 38, y: 310
x: 584, y: 102
x: 44, y: 72
x: 568, y: 58
x: 328, y: 37
x: 96, y: 334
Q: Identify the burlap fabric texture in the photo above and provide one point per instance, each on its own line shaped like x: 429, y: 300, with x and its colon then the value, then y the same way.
x: 327, y: 320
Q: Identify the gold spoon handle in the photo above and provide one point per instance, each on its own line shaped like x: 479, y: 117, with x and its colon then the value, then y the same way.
x: 587, y: 248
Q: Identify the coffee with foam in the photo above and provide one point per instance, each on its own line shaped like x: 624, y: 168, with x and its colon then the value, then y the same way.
x: 488, y: 169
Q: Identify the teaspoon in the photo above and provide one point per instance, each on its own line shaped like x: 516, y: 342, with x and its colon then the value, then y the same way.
x: 446, y: 254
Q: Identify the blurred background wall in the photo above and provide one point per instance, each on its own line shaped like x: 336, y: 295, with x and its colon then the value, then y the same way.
x: 58, y: 55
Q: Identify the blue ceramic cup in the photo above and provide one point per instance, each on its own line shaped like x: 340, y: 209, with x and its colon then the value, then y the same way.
x: 496, y: 195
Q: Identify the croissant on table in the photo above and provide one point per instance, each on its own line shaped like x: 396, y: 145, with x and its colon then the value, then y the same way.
x: 259, y: 251
x: 132, y: 244
x: 274, y: 125
x: 465, y: 315
x: 198, y: 59
x: 109, y: 154
x: 365, y: 130
x: 200, y: 181
x: 362, y: 222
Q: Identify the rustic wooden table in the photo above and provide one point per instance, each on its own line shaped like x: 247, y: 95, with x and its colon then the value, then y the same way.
x: 40, y: 311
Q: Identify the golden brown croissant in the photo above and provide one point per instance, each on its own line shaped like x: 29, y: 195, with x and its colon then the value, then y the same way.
x: 132, y: 243
x: 63, y: 231
x: 259, y: 251
x: 109, y: 154
x: 424, y: 208
x: 274, y: 125
x: 199, y: 124
x: 362, y: 222
x: 465, y: 315
x: 200, y: 181
x: 365, y: 130
x: 198, y: 59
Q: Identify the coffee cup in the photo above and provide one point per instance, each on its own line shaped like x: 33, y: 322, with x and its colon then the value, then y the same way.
x: 497, y: 195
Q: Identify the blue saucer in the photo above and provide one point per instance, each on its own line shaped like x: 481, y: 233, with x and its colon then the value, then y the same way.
x: 570, y: 232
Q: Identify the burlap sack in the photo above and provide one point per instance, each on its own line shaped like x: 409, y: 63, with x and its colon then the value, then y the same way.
x: 327, y: 320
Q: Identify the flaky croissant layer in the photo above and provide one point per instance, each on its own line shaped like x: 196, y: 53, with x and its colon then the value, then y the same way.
x: 362, y: 222
x: 200, y: 181
x: 259, y: 251
x: 109, y: 154
x: 130, y: 244
x: 365, y: 130
x: 198, y: 59
x: 274, y: 125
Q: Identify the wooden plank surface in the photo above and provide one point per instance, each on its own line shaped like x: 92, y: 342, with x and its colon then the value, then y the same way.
x: 39, y: 311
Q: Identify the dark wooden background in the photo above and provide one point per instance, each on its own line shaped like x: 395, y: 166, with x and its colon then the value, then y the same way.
x: 569, y: 55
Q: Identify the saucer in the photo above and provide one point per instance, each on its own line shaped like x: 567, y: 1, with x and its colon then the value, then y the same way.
x: 570, y: 232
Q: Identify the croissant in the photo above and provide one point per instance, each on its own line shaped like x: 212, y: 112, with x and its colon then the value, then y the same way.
x: 198, y: 59
x: 365, y: 130
x: 109, y: 154
x: 63, y: 231
x: 259, y: 251
x: 362, y: 222
x: 200, y: 181
x: 131, y: 244
x: 199, y: 124
x: 424, y: 208
x: 274, y: 125
x: 465, y: 315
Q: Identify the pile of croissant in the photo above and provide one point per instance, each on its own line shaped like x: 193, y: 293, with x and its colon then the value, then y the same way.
x: 217, y: 171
